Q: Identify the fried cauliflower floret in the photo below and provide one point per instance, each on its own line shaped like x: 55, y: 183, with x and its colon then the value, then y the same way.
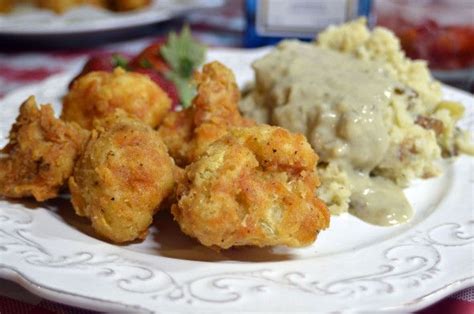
x: 255, y: 186
x: 121, y: 179
x: 41, y: 153
x: 216, y: 106
x: 98, y: 94
x: 188, y: 133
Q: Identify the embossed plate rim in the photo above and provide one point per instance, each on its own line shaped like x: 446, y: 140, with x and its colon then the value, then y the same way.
x: 39, y: 260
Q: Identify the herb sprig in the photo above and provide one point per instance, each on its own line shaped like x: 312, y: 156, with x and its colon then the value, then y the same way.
x: 184, y: 55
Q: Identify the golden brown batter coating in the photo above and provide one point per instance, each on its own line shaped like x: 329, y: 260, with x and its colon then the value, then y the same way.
x: 215, y: 109
x: 41, y: 153
x: 254, y: 186
x: 177, y: 131
x: 121, y: 179
x: 98, y: 94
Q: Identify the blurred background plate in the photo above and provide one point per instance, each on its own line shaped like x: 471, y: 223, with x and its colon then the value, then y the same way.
x: 32, y: 28
x: 27, y: 20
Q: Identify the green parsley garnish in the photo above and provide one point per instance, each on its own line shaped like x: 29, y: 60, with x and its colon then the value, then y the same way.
x: 145, y: 63
x: 184, y: 55
x: 119, y: 61
x: 186, y: 88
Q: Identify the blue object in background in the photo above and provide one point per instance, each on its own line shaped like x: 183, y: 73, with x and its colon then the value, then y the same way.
x: 253, y: 39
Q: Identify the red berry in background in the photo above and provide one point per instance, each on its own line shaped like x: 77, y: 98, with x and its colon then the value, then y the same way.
x: 164, y: 83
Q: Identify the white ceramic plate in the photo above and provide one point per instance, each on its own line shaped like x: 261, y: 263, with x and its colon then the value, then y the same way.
x: 27, y: 20
x: 353, y: 266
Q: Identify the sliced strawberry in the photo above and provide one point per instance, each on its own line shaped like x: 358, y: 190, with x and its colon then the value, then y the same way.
x: 165, y: 84
x: 150, y: 58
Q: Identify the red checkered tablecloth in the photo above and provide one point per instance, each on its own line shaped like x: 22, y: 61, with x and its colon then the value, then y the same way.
x: 18, y: 69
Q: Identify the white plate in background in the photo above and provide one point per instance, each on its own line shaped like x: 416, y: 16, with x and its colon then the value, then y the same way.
x: 27, y: 20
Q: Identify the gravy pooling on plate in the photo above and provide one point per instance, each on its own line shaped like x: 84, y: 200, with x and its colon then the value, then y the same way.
x: 343, y: 111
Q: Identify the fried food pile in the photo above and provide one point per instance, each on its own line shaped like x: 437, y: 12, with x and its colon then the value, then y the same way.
x: 242, y: 183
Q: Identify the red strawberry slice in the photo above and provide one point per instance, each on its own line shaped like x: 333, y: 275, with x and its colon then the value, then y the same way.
x: 150, y: 58
x: 164, y: 83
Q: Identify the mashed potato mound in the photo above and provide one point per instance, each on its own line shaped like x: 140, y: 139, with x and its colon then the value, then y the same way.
x: 381, y: 45
x: 376, y: 118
